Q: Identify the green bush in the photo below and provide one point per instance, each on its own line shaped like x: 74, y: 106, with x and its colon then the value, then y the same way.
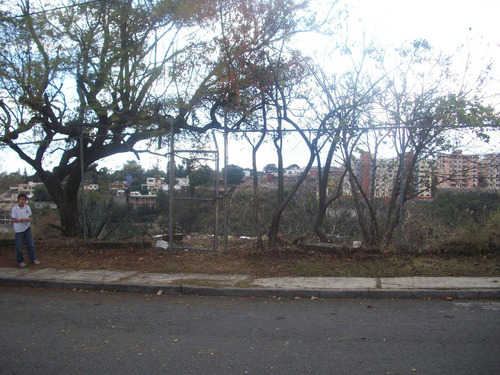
x: 457, y: 208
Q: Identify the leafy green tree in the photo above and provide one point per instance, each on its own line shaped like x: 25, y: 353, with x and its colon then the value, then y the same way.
x: 87, y: 80
x: 202, y: 176
x: 131, y: 171
x: 455, y: 208
x: 162, y: 201
x: 9, y: 179
x: 155, y: 172
x: 40, y: 194
x: 235, y: 174
x: 270, y: 168
x: 183, y: 170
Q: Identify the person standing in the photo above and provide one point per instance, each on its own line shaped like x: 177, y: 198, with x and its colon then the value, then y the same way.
x: 21, y: 217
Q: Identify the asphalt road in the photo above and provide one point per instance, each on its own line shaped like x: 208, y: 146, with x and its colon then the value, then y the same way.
x: 79, y: 332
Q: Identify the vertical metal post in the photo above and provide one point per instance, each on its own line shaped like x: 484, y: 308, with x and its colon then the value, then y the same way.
x: 216, y: 228
x: 82, y: 195
x: 402, y: 188
x: 226, y: 156
x: 171, y: 191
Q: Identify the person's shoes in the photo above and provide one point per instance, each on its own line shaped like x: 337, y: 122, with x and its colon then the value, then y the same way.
x: 22, y: 264
x: 35, y: 262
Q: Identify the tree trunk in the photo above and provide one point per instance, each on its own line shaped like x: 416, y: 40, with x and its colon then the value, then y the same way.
x: 274, y: 229
x: 322, y: 187
x: 323, y: 178
x: 65, y: 196
x: 257, y: 230
x: 280, y: 206
x: 70, y: 221
x: 318, y: 224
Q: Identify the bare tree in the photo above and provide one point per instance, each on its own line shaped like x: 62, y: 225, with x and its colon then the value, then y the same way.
x: 341, y: 107
x: 421, y: 111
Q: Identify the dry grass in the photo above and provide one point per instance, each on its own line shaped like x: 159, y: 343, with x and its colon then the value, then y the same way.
x: 242, y: 257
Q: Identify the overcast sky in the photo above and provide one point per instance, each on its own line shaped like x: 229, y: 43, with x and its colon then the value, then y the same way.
x: 471, y: 25
x: 445, y: 23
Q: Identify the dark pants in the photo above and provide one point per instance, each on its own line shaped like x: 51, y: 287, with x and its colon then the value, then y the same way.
x: 23, y: 238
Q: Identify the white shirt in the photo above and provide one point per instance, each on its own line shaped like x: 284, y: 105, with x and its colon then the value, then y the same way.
x: 21, y: 213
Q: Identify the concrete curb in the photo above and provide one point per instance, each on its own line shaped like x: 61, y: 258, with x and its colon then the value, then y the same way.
x: 304, y: 293
x: 338, y: 293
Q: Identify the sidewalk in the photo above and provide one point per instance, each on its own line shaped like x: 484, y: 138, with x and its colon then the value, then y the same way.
x: 247, y: 286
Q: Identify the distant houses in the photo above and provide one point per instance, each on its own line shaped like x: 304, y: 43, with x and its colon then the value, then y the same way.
x: 28, y: 189
x: 153, y: 186
x: 456, y: 171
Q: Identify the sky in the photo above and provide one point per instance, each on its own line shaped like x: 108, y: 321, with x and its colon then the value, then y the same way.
x: 455, y: 27
x: 446, y: 24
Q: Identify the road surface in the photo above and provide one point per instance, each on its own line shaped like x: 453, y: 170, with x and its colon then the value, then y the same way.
x: 79, y: 332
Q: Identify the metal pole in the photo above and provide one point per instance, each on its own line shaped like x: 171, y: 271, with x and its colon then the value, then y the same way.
x: 82, y: 177
x: 402, y: 188
x: 216, y: 228
x: 171, y: 190
x: 226, y: 156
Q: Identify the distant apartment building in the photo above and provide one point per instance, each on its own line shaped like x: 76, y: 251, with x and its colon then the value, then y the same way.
x: 423, y: 178
x: 489, y: 172
x: 457, y: 171
x: 293, y: 171
x: 386, y: 174
x: 153, y: 186
x: 377, y: 178
x: 364, y: 172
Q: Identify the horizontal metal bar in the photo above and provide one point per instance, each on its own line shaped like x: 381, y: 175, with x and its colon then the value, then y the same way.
x: 194, y: 199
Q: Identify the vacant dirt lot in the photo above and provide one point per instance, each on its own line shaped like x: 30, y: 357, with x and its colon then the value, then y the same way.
x: 243, y: 257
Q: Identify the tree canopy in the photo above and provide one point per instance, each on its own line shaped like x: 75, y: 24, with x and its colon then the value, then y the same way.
x: 235, y: 174
x: 84, y: 81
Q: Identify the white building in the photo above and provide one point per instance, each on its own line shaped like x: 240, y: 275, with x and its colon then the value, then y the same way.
x: 180, y: 183
x: 91, y: 187
x: 153, y: 185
